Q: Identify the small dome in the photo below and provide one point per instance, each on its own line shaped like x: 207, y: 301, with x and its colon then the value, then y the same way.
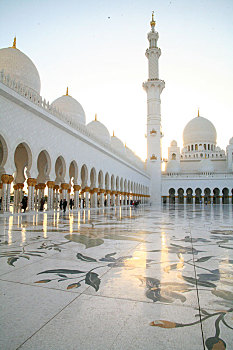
x: 218, y: 149
x: 199, y: 129
x: 20, y: 68
x: 117, y: 144
x: 231, y: 141
x: 173, y: 166
x: 71, y: 108
x: 99, y: 130
x: 173, y: 143
x: 206, y: 166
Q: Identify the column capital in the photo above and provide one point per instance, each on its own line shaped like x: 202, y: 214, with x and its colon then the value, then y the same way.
x: 56, y: 187
x: 65, y: 186
x: 41, y: 186
x: 16, y: 187
x: 4, y: 178
x: 50, y: 184
x: 87, y: 189
x: 108, y: 191
x: 20, y: 186
x: 0, y: 186
x: 76, y: 188
x: 102, y: 190
x: 31, y: 181
x: 10, y: 179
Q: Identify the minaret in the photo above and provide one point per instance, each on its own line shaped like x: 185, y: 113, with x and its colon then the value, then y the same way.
x: 153, y: 87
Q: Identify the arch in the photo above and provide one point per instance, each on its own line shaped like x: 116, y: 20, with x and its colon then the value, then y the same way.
x: 113, y: 183
x: 189, y: 196
x: 125, y: 185
x: 73, y: 172
x: 173, y: 156
x: 84, y: 176
x: 117, y: 184
x: 216, y: 196
x: 172, y: 196
x: 43, y: 166
x: 122, y: 185
x: 60, y: 170
x: 198, y: 196
x: 93, y: 178
x: 23, y: 162
x: 180, y: 196
x: 100, y: 179
x: 225, y: 196
x: 107, y: 181
x: 3, y: 154
x: 207, y: 195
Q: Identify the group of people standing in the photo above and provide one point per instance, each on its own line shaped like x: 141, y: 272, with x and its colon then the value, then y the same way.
x: 63, y: 204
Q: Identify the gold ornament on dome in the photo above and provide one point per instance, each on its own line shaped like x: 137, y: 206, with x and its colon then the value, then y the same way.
x: 14, y: 43
x: 152, y: 23
x: 67, y: 91
x: 153, y: 132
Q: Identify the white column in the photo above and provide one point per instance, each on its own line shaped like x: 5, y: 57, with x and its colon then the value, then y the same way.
x: 76, y: 196
x: 102, y: 198
x: 108, y: 198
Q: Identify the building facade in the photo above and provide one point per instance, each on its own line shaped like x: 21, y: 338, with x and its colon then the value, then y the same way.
x: 49, y: 149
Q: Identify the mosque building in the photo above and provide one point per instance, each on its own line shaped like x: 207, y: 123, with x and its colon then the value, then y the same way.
x: 49, y: 148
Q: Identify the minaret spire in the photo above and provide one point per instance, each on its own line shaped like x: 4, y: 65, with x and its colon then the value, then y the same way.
x: 67, y: 91
x: 14, y: 43
x: 154, y: 87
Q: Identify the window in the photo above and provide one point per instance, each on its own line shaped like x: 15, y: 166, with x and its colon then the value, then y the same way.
x: 192, y: 147
x: 204, y: 146
x: 208, y: 146
x: 196, y: 147
x: 173, y: 156
x: 201, y: 155
x: 188, y: 148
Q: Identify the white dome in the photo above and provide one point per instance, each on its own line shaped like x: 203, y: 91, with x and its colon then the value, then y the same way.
x: 71, y: 108
x: 173, y: 143
x: 206, y: 166
x: 231, y: 141
x: 117, y: 144
x: 199, y: 129
x: 99, y: 130
x: 20, y: 68
x: 173, y: 166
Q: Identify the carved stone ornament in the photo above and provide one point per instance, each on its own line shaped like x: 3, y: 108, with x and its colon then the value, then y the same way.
x: 50, y: 184
x: 153, y: 157
x: 76, y: 188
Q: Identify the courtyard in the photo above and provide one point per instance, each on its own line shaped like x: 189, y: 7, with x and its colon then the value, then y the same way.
x: 120, y: 278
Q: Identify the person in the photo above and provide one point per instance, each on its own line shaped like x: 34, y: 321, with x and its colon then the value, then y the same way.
x: 42, y: 201
x: 61, y: 204
x: 24, y: 203
x: 64, y: 205
x: 71, y: 203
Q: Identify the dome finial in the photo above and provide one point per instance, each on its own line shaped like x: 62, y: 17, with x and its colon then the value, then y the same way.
x: 152, y: 23
x: 113, y: 133
x: 67, y: 92
x: 198, y: 113
x: 96, y: 117
x: 14, y: 43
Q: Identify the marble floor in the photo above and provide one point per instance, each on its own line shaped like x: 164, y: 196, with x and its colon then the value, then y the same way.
x: 145, y: 278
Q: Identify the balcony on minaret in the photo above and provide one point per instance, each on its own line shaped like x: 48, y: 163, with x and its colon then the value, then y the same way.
x: 153, y: 157
x: 153, y: 132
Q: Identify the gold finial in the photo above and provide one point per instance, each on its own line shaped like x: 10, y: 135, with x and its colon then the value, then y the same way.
x: 113, y: 133
x: 125, y: 145
x: 14, y: 43
x: 67, y: 93
x: 96, y: 117
x: 152, y: 23
x: 198, y: 113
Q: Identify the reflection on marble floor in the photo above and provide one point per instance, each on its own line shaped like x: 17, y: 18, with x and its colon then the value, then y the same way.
x: 170, y: 267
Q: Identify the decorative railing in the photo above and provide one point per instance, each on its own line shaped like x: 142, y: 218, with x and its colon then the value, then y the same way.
x: 36, y: 99
x: 199, y: 175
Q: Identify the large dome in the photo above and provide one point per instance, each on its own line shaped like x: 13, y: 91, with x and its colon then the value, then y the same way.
x: 199, y: 129
x: 99, y: 130
x: 117, y: 144
x: 20, y: 68
x: 71, y: 108
x: 173, y: 166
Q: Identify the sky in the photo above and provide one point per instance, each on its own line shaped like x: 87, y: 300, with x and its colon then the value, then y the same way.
x: 97, y: 49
